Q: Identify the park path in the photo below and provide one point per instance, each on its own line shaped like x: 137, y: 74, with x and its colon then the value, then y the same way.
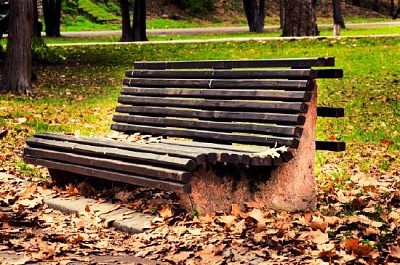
x: 210, y: 30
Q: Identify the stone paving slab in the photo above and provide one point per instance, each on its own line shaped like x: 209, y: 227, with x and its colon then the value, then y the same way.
x: 120, y: 218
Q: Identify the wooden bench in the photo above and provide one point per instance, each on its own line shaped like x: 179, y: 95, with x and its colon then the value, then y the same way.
x: 209, y: 115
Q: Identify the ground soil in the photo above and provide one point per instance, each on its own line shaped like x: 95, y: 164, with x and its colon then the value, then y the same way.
x: 232, y: 10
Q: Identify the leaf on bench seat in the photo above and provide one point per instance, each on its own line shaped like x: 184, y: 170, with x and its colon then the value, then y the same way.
x: 273, y: 152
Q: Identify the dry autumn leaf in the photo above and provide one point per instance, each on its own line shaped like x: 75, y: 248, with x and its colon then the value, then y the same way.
x: 166, y: 213
x: 28, y: 191
x: 354, y: 245
x: 394, y: 251
x: 228, y: 220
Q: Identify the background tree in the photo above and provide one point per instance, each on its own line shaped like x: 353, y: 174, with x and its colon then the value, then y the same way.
x: 37, y: 26
x: 299, y: 18
x: 255, y: 14
x: 136, y: 31
x: 338, y: 21
x: 52, y: 17
x: 18, y: 66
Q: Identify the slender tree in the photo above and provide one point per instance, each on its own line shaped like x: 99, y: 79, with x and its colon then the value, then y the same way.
x: 18, y: 66
x: 338, y: 21
x: 37, y: 26
x: 52, y: 17
x: 139, y: 21
x: 299, y: 19
x: 136, y: 31
x: 255, y: 14
x: 126, y: 21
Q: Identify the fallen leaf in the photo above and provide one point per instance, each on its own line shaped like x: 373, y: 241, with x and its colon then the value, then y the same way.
x: 394, y: 251
x: 356, y: 247
x: 166, y: 212
x: 228, y: 220
x: 28, y: 191
x: 78, y: 238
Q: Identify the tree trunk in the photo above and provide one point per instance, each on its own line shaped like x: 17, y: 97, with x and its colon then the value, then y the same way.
x: 126, y: 21
x: 397, y: 13
x: 376, y: 6
x: 17, y: 71
x: 255, y: 14
x: 139, y: 21
x: 52, y: 17
x: 338, y: 21
x: 281, y: 14
x: 300, y: 18
x: 37, y: 27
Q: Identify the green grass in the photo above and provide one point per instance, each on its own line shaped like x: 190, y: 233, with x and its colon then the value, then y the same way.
x: 79, y: 93
x: 98, y: 11
x: 273, y: 33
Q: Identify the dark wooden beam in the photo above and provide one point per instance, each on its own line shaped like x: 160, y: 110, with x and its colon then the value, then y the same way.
x: 331, y: 146
x: 330, y: 112
x: 229, y: 64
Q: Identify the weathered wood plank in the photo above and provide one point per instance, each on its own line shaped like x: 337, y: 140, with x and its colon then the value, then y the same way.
x: 278, y: 118
x: 293, y: 74
x: 112, y: 175
x: 237, y: 105
x: 289, y: 85
x: 114, y: 153
x: 330, y: 112
x: 210, y: 125
x: 330, y: 146
x: 116, y: 165
x: 299, y: 96
x: 157, y: 148
x: 229, y: 64
x: 207, y: 135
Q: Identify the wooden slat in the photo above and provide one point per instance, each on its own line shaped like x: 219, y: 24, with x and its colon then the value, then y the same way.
x: 112, y: 175
x: 210, y: 125
x: 330, y: 146
x: 219, y: 147
x: 237, y: 105
x: 157, y: 148
x: 207, y: 135
x: 114, y: 153
x: 302, y: 96
x: 116, y: 165
x: 295, y: 85
x: 330, y: 112
x: 228, y: 64
x: 293, y: 74
x: 205, y: 152
x: 278, y: 118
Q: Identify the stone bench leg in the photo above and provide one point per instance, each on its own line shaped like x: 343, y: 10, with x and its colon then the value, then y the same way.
x: 291, y: 186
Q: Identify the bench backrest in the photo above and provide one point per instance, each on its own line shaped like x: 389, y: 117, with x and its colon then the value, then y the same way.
x: 262, y: 103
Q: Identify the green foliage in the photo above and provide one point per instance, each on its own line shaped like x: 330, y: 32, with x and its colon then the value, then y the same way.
x: 27, y: 170
x: 41, y: 52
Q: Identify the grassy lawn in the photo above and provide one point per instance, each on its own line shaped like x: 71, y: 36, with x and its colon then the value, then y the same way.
x: 79, y: 91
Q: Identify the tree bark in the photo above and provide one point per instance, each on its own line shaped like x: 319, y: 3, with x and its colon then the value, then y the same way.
x: 139, y: 21
x: 37, y: 27
x: 126, y: 21
x: 300, y: 18
x: 52, y: 17
x: 255, y: 14
x: 17, y: 71
x: 338, y: 21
